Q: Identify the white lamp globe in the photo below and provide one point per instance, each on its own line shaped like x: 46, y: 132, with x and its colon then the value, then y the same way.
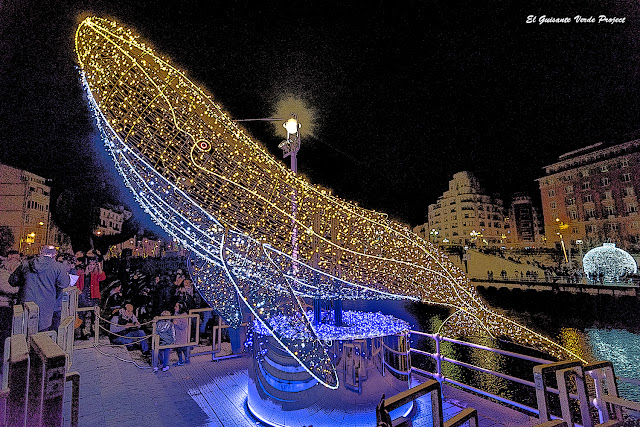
x: 608, y: 262
x: 291, y: 125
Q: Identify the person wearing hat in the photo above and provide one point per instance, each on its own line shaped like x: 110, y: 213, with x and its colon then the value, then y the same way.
x: 43, y: 279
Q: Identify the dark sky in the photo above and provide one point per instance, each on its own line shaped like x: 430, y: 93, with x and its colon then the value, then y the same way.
x: 406, y: 93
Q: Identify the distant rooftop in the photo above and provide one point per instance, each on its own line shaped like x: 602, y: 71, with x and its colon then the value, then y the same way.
x: 592, y: 154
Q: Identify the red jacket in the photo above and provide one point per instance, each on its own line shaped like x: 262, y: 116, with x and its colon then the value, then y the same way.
x: 95, y: 283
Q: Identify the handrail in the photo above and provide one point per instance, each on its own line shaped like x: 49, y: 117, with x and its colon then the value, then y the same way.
x: 401, y: 353
x: 441, y: 378
x: 560, y: 368
x: 619, y: 401
x: 489, y: 371
x: 482, y: 347
x: 95, y: 324
x: 433, y: 388
x: 391, y: 368
x: 477, y: 390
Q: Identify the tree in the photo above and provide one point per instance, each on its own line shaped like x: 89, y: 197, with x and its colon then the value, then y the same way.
x: 7, y: 239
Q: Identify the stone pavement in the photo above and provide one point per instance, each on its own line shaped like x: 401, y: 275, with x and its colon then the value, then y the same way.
x: 116, y: 392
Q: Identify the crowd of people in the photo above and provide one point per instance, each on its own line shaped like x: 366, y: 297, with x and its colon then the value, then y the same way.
x: 128, y: 298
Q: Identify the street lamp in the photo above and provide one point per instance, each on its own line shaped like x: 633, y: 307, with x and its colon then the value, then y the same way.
x: 434, y: 235
x: 290, y: 148
x: 562, y: 227
x: 474, y: 235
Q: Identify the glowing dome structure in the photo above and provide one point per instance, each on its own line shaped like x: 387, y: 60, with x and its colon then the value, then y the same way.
x: 238, y: 209
x: 609, y: 263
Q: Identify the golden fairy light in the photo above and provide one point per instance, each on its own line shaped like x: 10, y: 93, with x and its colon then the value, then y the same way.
x: 225, y: 197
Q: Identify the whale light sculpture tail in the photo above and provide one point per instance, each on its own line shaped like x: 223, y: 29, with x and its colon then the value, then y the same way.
x: 211, y: 186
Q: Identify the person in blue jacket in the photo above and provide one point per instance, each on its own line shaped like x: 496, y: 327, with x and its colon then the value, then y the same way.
x: 43, y: 279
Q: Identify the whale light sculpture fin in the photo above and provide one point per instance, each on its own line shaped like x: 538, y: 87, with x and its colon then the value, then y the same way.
x: 214, y: 286
x: 270, y: 297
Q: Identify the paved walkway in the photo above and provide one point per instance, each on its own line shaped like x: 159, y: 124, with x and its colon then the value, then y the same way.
x: 114, y: 392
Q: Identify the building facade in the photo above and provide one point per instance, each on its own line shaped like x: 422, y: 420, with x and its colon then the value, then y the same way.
x: 464, y: 215
x: 110, y: 219
x: 525, y: 222
x: 590, y: 196
x: 25, y: 208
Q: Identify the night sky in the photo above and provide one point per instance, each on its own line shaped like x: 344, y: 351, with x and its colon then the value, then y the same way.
x: 405, y: 93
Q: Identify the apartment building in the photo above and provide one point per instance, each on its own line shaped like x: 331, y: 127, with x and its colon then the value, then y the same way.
x: 465, y: 215
x: 25, y: 208
x: 590, y: 196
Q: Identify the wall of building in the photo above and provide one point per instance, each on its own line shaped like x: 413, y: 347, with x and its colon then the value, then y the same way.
x: 464, y: 215
x: 591, y: 195
x: 25, y: 208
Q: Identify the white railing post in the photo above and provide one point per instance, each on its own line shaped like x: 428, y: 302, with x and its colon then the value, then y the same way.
x: 438, y: 357
x: 603, y: 414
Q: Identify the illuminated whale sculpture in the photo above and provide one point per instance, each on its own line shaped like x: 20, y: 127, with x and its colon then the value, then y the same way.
x: 208, y: 184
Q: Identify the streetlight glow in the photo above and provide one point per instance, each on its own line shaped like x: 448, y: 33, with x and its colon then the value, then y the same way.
x: 291, y: 125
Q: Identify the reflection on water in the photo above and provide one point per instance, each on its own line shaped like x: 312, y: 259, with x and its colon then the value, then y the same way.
x: 575, y: 341
x: 623, y: 349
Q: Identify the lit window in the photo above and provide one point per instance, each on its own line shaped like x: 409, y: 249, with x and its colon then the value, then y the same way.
x: 571, y: 201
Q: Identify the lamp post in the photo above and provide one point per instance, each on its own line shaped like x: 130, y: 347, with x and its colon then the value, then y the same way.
x: 290, y: 148
x: 474, y: 236
x: 562, y: 227
x: 434, y: 235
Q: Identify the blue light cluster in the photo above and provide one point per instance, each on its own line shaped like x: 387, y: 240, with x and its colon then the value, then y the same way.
x: 356, y: 325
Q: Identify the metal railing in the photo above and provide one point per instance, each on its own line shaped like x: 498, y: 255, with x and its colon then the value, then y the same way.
x: 602, y: 374
x: 18, y: 368
x: 216, y: 334
x: 433, y: 388
x: 632, y: 282
x: 155, y: 338
x: 94, y: 324
x: 438, y: 357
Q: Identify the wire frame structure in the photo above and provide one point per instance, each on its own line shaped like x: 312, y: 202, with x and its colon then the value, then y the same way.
x: 609, y: 263
x: 219, y: 192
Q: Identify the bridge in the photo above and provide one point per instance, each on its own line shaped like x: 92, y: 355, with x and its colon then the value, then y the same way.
x: 623, y: 289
